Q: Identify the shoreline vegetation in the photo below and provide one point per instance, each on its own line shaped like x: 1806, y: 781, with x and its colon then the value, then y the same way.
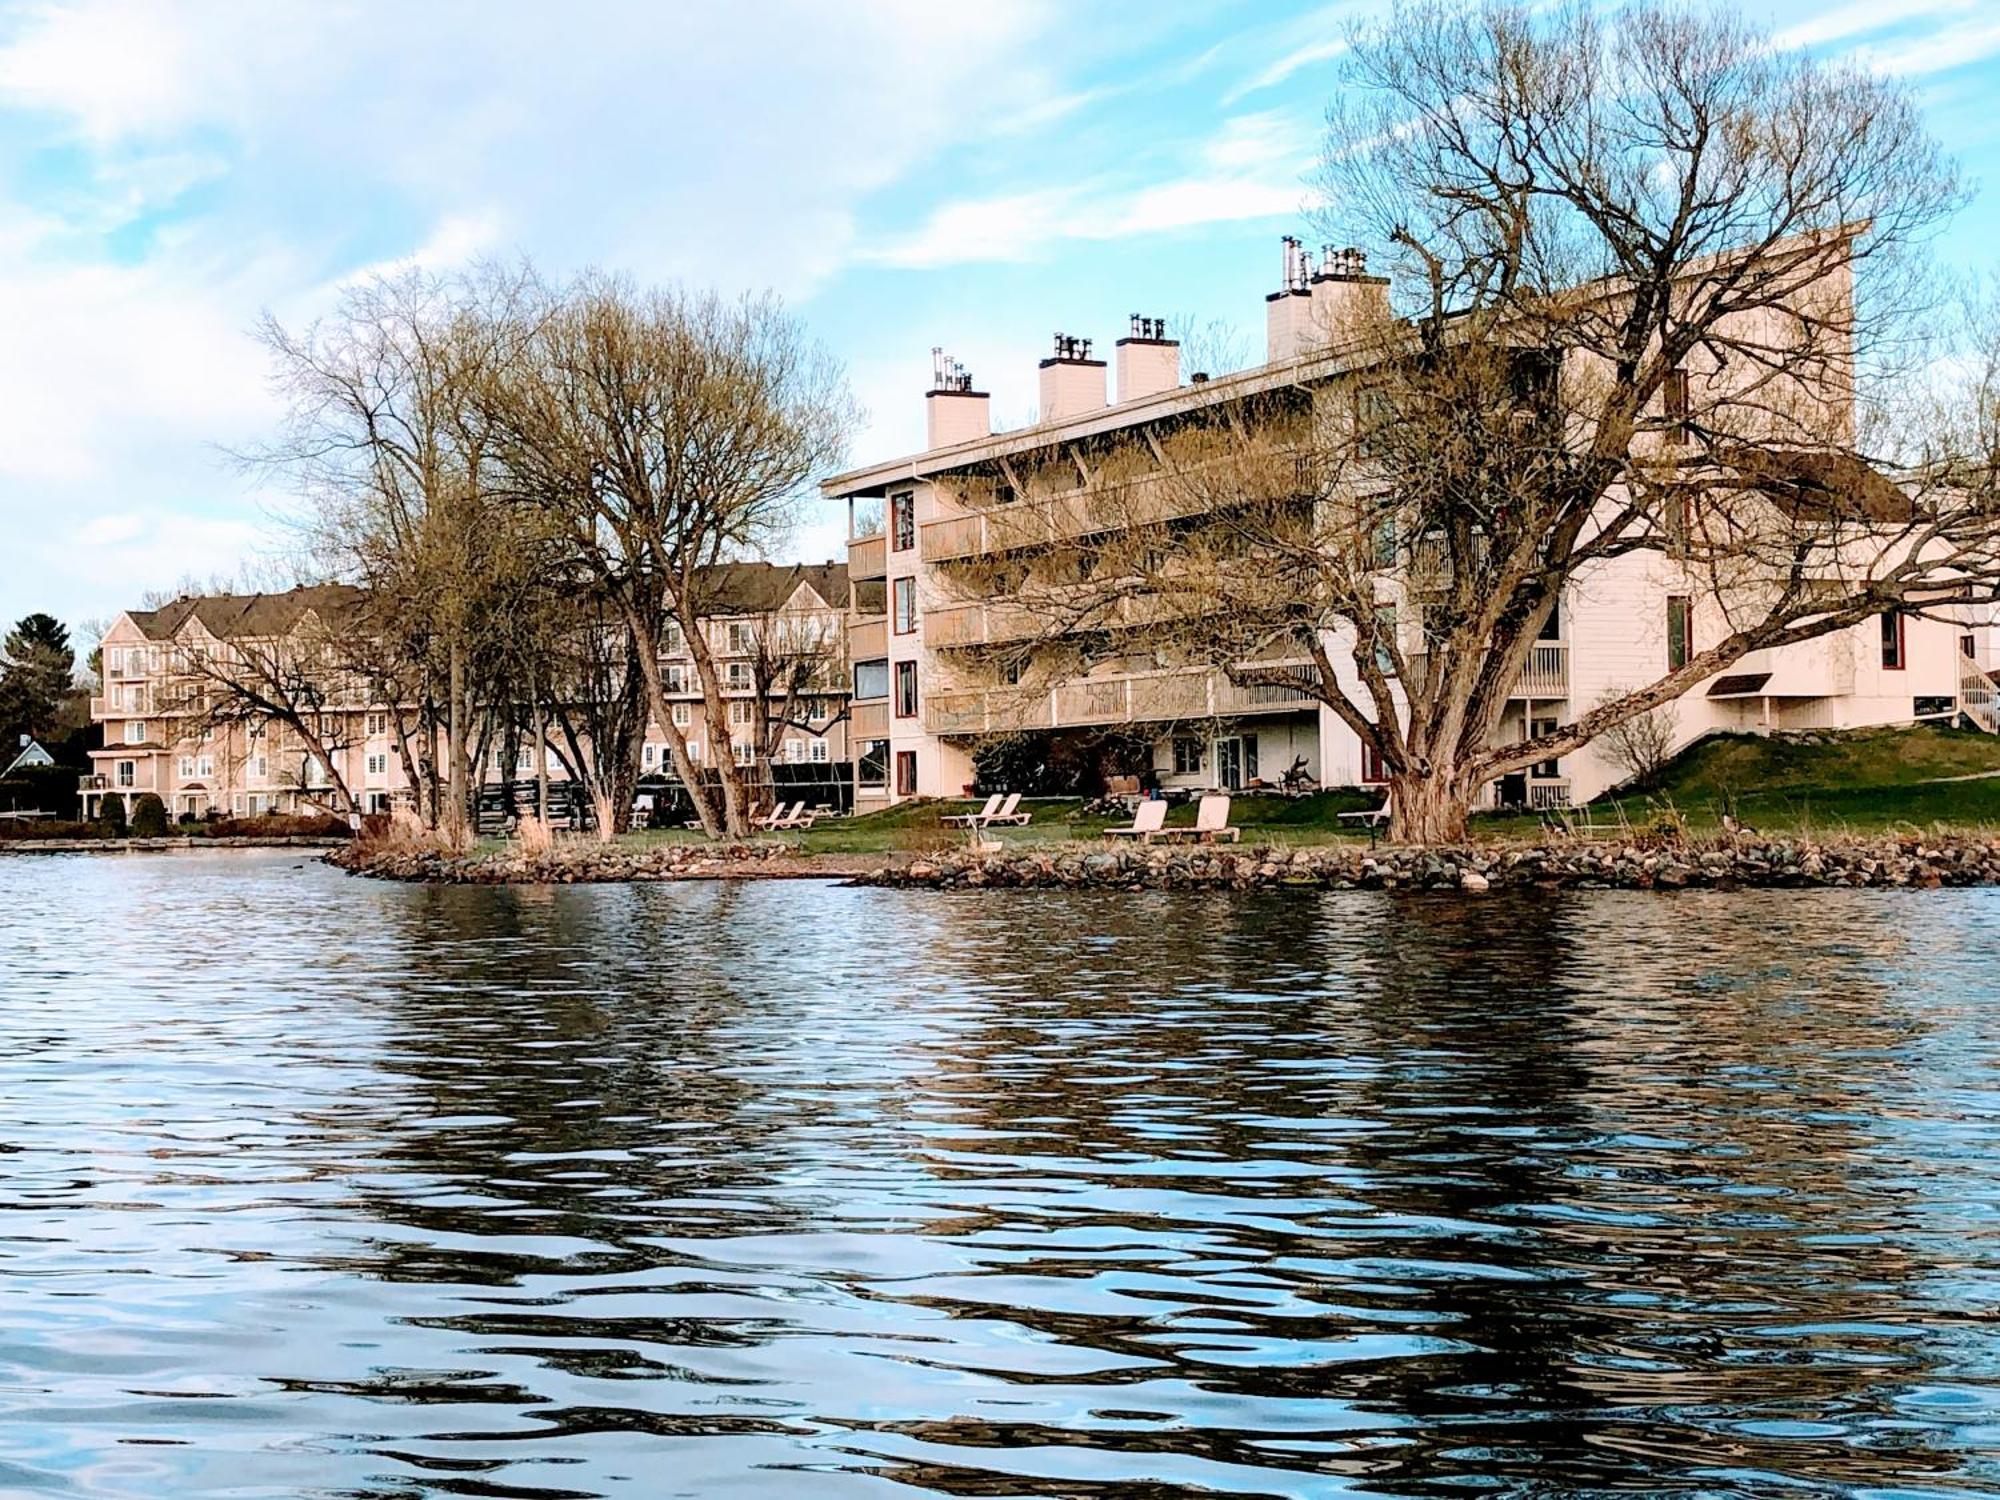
x: 1909, y: 807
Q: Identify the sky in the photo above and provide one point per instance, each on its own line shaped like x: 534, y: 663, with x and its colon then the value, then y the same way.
x: 904, y: 173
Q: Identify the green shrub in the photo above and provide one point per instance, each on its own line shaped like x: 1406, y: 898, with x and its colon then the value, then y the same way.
x: 149, y: 818
x: 113, y: 816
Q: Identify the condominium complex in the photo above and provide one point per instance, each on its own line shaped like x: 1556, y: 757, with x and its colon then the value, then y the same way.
x: 935, y: 535
x: 163, y: 735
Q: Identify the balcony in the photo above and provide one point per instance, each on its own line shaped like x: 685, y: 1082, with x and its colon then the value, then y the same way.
x: 867, y: 639
x: 1137, y: 698
x: 93, y: 783
x: 870, y: 721
x: 1546, y: 673
x: 1038, y: 523
x: 987, y: 624
x: 868, y: 557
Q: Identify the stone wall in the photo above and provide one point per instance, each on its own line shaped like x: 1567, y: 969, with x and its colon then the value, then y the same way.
x: 1744, y: 863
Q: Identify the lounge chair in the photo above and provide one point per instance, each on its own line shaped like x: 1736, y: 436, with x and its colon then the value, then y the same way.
x: 1375, y: 819
x: 1148, y: 821
x: 1009, y: 813
x: 973, y: 819
x: 800, y: 817
x: 1211, y: 821
x: 775, y: 818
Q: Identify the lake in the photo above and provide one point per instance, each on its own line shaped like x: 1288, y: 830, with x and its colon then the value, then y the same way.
x: 319, y: 1187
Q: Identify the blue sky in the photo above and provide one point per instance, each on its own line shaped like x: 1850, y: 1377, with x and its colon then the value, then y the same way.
x: 905, y: 173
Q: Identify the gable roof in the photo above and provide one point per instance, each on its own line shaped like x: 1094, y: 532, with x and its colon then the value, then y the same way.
x: 758, y: 588
x: 248, y: 616
x: 31, y: 754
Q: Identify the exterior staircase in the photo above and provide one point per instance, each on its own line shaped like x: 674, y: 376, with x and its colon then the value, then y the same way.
x: 1978, y: 696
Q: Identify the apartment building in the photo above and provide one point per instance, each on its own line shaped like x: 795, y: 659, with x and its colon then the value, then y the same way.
x: 931, y: 532
x: 778, y: 626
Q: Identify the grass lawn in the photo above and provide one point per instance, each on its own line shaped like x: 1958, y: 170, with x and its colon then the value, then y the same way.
x: 1862, y: 781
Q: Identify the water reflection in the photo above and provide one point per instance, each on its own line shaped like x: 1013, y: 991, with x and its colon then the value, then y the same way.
x: 315, y: 1187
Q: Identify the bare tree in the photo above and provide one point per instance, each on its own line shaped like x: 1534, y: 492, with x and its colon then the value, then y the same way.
x: 1642, y: 745
x: 663, y: 433
x: 1648, y: 266
x: 795, y: 657
x: 384, y: 432
x: 295, y: 680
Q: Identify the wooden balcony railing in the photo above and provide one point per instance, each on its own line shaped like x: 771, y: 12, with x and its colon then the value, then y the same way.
x: 867, y: 639
x: 1546, y: 674
x: 869, y: 721
x: 1140, y: 697
x: 868, y: 557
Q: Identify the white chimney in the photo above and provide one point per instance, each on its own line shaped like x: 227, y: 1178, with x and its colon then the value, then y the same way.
x: 1072, y: 382
x: 954, y: 412
x: 1148, y: 361
x: 1288, y: 312
x: 1346, y: 300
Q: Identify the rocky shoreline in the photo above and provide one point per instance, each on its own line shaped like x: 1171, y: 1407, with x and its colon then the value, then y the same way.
x: 1904, y: 862
x: 1730, y: 865
x: 601, y: 864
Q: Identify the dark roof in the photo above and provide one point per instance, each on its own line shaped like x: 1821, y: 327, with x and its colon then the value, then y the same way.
x: 757, y: 588
x: 250, y: 616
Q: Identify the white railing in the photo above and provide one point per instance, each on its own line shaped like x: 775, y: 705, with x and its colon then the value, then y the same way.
x: 1979, y: 696
x: 1549, y: 792
x: 1140, y: 697
x: 1546, y: 672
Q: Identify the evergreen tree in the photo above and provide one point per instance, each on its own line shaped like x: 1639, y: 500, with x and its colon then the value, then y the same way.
x: 37, y: 668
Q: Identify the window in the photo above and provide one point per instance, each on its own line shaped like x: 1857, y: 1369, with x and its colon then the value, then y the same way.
x: 741, y: 638
x: 871, y: 679
x: 1373, y: 767
x: 128, y: 772
x: 903, y: 521
x: 1385, y: 542
x: 1013, y: 669
x: 260, y: 767
x: 906, y: 690
x: 816, y: 751
x: 1547, y: 770
x: 694, y: 752
x: 1385, y: 639
x: 672, y: 642
x: 1680, y: 632
x: 1966, y: 646
x: 906, y: 773
x: 1892, y: 641
x: 739, y: 711
x: 135, y: 732
x: 795, y: 751
x: 873, y: 767
x: 1552, y: 628
x: 650, y: 756
x: 377, y: 764
x: 378, y: 725
x: 742, y: 752
x: 205, y: 766
x: 378, y: 802
x: 683, y: 715
x: 187, y: 768
x: 1187, y: 757
x: 906, y: 605
x: 738, y: 678
x: 675, y: 678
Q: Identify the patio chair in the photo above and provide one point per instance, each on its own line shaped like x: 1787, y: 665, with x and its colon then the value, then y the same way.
x: 1009, y: 813
x: 1211, y: 820
x: 1148, y: 821
x: 973, y: 819
x: 775, y: 818
x: 796, y: 818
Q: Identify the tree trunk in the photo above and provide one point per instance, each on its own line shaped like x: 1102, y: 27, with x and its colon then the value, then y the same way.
x: 1429, y: 808
x: 454, y: 819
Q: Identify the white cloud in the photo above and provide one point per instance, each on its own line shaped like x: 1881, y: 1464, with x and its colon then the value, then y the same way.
x: 1252, y: 169
x: 1955, y: 46
x: 232, y: 155
x: 1864, y: 18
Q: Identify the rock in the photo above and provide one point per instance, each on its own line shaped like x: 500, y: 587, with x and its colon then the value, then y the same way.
x: 1473, y: 881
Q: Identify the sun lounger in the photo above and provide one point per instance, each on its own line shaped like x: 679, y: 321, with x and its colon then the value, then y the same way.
x: 775, y: 818
x: 1211, y: 821
x: 1147, y: 823
x: 1009, y: 813
x: 973, y: 819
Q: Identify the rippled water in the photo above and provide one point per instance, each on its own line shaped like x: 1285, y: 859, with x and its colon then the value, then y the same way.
x: 316, y: 1187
